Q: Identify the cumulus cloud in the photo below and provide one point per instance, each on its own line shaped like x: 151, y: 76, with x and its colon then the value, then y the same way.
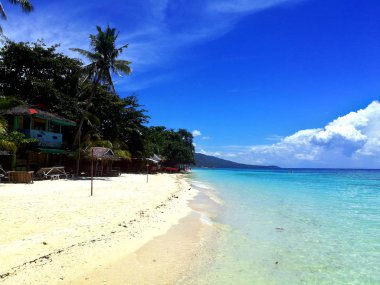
x: 352, y: 140
x: 196, y: 133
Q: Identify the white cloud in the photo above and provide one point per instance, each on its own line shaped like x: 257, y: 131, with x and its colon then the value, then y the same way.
x: 349, y: 141
x: 206, y: 138
x: 245, y: 6
x: 212, y: 153
x: 196, y: 133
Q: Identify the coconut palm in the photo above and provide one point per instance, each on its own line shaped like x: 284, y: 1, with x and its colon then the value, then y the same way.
x: 25, y: 5
x: 103, y: 63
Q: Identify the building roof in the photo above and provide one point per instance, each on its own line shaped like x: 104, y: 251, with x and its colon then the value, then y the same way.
x: 155, y: 159
x: 32, y: 112
x: 101, y: 153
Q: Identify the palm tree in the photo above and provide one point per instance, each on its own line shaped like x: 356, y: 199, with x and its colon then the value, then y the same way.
x: 25, y: 5
x: 103, y: 62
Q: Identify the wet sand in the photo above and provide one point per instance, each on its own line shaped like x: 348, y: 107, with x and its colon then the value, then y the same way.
x: 167, y: 259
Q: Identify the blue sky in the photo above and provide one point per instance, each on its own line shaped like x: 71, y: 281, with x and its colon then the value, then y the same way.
x: 260, y: 81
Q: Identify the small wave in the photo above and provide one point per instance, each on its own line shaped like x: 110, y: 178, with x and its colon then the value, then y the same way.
x: 198, y: 184
x: 206, y: 220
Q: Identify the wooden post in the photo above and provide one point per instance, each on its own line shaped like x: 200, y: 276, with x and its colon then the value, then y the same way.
x: 78, y: 159
x: 13, y: 161
x: 147, y: 171
x: 92, y: 170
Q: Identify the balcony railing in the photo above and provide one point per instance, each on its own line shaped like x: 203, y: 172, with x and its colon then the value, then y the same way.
x: 45, y: 139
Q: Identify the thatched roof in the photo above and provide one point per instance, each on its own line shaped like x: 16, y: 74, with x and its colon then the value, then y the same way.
x: 101, y: 153
x: 155, y: 159
x: 32, y: 112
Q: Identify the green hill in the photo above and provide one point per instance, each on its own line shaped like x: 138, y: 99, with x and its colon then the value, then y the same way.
x: 202, y: 160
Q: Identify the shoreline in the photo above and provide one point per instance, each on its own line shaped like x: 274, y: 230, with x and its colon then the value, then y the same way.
x: 65, y: 238
x: 170, y: 258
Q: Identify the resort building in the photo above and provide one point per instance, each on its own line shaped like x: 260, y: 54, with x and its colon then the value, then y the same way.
x: 51, y: 132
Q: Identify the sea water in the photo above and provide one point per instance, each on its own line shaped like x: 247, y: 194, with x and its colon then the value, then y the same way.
x: 294, y: 227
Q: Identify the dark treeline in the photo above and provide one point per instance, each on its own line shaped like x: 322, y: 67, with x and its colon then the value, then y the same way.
x: 35, y: 74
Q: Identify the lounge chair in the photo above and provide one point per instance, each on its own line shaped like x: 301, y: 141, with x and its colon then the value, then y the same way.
x: 3, y: 173
x: 52, y: 173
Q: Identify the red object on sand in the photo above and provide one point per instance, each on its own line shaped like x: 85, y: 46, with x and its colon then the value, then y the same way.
x: 33, y: 111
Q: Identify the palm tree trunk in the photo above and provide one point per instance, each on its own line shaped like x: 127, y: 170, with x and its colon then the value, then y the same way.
x: 79, y: 131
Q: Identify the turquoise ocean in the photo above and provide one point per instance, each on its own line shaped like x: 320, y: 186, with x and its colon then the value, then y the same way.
x: 293, y: 227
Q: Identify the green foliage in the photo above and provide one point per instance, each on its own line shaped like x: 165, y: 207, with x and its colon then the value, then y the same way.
x: 9, y: 102
x: 12, y: 141
x: 121, y: 120
x: 103, y: 57
x: 37, y: 74
x: 101, y: 143
x: 175, y: 146
x: 125, y: 154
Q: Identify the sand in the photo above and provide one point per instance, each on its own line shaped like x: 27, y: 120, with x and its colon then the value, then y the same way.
x: 129, y: 232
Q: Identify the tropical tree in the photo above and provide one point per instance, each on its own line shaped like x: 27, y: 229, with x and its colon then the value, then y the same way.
x: 25, y: 5
x: 175, y: 146
x: 37, y: 74
x: 103, y: 63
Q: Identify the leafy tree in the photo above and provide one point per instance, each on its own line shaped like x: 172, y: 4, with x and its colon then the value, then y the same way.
x: 13, y: 141
x: 25, y: 5
x: 120, y: 120
x: 10, y: 141
x: 103, y: 60
x: 39, y: 75
x: 175, y: 146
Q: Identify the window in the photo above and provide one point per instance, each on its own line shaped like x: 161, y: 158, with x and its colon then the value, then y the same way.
x: 38, y: 124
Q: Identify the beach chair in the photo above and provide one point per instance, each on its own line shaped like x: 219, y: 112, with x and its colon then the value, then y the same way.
x: 53, y: 173
x: 3, y: 174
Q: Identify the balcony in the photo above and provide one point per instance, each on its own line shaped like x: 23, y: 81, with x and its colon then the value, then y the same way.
x: 45, y: 139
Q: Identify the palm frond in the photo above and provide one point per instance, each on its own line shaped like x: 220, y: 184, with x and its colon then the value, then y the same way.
x: 120, y: 49
x: 8, y: 145
x: 3, y: 127
x: 103, y: 57
x: 25, y: 5
x: 3, y: 15
x: 91, y: 56
x: 123, y: 66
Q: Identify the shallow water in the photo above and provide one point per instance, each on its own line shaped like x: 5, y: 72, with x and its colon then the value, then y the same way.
x: 294, y: 227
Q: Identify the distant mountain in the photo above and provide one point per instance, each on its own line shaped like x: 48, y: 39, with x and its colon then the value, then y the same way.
x: 202, y: 160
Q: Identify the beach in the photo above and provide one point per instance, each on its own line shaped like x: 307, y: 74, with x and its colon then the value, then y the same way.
x: 129, y: 232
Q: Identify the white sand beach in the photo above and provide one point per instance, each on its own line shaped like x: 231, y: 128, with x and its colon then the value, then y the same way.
x: 53, y: 232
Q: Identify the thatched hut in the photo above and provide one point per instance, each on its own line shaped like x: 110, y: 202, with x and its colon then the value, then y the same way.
x: 103, y: 159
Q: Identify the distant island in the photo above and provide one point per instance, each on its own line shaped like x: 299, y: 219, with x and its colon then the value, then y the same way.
x: 202, y: 160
